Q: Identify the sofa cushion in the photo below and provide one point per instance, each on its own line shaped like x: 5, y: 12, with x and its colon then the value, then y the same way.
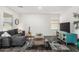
x: 18, y: 40
x: 5, y: 34
x: 13, y: 32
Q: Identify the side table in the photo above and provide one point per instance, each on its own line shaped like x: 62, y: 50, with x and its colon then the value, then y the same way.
x: 29, y: 41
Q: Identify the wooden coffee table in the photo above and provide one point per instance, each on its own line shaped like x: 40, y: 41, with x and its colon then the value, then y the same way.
x: 39, y: 41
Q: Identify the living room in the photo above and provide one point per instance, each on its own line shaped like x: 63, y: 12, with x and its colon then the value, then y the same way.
x: 39, y: 29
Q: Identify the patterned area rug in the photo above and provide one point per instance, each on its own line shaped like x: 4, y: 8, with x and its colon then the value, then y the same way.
x: 40, y: 48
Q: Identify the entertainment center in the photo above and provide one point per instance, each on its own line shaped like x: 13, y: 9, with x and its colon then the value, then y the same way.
x: 65, y: 35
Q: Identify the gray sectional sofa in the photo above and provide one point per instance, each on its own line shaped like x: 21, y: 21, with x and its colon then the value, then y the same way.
x: 16, y: 39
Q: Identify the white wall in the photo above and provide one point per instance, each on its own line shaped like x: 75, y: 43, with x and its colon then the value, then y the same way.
x: 9, y: 11
x: 39, y: 23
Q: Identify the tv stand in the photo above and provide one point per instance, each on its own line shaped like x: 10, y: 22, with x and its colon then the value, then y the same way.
x: 67, y: 37
x: 61, y: 36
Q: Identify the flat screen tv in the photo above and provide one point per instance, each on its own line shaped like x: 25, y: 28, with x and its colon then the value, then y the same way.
x: 65, y: 27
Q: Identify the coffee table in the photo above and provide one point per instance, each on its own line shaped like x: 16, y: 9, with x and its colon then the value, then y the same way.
x: 36, y: 42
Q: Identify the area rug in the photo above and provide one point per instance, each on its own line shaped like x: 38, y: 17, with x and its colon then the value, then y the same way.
x: 59, y: 47
x: 45, y: 47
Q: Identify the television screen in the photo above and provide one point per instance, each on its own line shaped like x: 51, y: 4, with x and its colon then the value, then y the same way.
x: 65, y: 27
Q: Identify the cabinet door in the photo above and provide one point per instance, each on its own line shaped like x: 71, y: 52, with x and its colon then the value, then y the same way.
x: 71, y: 38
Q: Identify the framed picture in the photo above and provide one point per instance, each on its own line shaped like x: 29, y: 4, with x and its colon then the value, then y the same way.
x: 16, y: 21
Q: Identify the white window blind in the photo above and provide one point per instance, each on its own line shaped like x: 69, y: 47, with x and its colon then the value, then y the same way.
x: 54, y: 24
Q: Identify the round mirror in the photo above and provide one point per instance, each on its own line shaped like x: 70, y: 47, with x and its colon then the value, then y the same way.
x: 16, y: 21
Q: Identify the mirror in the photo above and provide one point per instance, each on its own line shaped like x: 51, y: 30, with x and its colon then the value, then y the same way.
x: 16, y: 21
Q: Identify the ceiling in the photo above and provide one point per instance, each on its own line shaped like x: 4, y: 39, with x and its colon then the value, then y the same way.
x: 37, y: 9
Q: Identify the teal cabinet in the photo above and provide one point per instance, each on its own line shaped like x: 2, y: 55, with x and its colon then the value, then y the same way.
x: 78, y: 43
x: 71, y: 38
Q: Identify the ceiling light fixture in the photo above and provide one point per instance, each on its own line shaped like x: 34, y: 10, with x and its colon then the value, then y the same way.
x: 20, y: 6
x: 40, y: 8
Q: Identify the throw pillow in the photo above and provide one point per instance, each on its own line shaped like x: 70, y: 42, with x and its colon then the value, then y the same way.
x: 5, y: 34
x: 19, y: 31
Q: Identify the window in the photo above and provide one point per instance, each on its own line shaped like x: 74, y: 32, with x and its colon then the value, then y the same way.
x: 55, y: 24
x: 7, y: 22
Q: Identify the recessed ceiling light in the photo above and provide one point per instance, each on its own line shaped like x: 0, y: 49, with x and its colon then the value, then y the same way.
x: 20, y: 6
x: 40, y: 8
